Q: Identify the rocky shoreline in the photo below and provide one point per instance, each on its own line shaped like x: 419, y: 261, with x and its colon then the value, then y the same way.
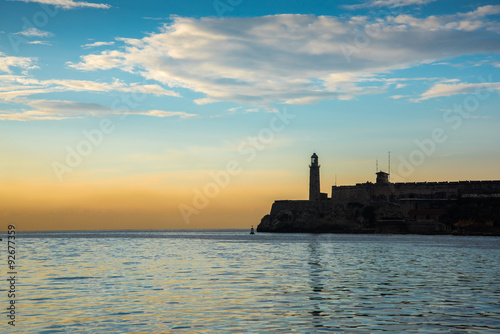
x: 380, y: 218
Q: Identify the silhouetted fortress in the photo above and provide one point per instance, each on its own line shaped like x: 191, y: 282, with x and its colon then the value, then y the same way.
x: 464, y: 207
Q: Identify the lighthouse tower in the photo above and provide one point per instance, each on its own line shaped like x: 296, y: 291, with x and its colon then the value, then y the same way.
x: 314, y: 190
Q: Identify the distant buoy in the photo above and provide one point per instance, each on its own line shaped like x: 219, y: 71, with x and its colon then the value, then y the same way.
x: 252, y: 231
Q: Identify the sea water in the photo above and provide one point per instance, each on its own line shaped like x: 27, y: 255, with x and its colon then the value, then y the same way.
x: 234, y: 282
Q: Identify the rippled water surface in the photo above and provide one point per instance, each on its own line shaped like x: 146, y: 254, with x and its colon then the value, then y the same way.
x: 234, y: 282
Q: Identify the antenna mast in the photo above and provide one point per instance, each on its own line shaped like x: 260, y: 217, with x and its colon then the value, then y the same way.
x: 376, y: 167
x: 389, y: 167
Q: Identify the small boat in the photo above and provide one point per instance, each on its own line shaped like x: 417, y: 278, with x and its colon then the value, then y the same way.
x: 252, y: 231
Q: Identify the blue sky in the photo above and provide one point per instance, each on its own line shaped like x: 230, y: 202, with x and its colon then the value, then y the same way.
x: 183, y: 87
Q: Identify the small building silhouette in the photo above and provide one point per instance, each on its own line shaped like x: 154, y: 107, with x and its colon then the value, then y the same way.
x: 382, y: 177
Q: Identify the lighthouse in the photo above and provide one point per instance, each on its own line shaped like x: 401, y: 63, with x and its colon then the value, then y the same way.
x: 314, y: 190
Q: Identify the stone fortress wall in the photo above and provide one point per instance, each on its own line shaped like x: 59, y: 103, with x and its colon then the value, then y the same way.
x: 297, y: 205
x: 372, y: 192
x: 409, y: 196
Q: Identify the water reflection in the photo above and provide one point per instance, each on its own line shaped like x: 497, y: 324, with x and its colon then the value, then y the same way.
x: 316, y: 283
x: 267, y: 284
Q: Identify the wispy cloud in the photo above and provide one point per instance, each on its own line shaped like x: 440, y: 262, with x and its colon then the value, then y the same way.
x: 154, y: 18
x: 449, y: 89
x: 12, y: 86
x: 468, y: 21
x: 388, y: 3
x: 39, y: 43
x: 69, y: 4
x: 96, y: 44
x: 58, y: 110
x: 469, y: 63
x: 397, y: 97
x: 295, y: 59
x: 261, y: 108
x: 482, y: 11
x: 162, y: 113
x: 34, y: 32
x: 19, y: 90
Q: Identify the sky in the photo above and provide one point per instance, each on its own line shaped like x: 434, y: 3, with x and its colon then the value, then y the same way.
x: 199, y: 114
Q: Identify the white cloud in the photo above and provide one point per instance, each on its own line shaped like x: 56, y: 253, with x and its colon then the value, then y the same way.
x: 12, y: 87
x: 27, y: 116
x: 469, y: 63
x: 162, y: 113
x: 445, y: 89
x: 234, y: 109
x: 388, y: 3
x: 483, y: 11
x: 7, y: 62
x: 69, y: 4
x: 39, y: 43
x: 34, y: 32
x: 95, y: 44
x: 17, y: 89
x: 57, y: 110
x: 469, y: 21
x: 104, y: 61
x: 261, y: 108
x: 313, y: 99
x: 248, y: 110
x: 297, y: 59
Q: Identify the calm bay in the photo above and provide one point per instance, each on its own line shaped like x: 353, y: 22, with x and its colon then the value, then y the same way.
x: 228, y: 281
